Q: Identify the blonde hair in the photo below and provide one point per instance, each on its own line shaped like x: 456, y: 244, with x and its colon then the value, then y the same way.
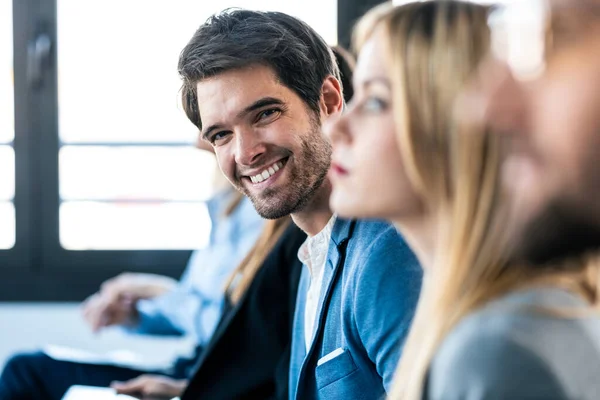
x: 242, y: 277
x: 433, y: 47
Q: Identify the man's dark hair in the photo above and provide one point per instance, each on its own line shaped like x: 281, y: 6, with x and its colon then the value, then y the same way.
x: 238, y: 38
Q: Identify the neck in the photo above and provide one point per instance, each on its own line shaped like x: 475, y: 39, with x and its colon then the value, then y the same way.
x: 419, y: 233
x: 314, y: 216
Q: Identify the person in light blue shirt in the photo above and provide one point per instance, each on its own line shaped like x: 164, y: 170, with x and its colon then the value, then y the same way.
x: 153, y: 305
x: 194, y: 306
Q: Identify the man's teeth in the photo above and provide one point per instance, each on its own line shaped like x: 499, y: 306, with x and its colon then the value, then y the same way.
x: 267, y: 172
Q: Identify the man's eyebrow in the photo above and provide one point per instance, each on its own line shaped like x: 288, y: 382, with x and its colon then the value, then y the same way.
x: 258, y: 104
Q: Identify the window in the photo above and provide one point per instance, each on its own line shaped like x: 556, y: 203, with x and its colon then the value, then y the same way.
x: 128, y: 176
x: 7, y: 130
x: 97, y: 170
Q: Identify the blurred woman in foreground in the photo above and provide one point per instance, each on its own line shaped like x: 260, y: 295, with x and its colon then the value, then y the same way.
x: 484, y: 328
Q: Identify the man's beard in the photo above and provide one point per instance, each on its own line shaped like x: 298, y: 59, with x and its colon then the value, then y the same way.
x: 306, y: 175
x: 558, y: 233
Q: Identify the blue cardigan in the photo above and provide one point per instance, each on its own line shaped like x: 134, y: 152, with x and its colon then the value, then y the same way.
x: 370, y: 289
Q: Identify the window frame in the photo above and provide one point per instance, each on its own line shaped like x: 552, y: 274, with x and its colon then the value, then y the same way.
x: 37, y: 268
x: 12, y: 260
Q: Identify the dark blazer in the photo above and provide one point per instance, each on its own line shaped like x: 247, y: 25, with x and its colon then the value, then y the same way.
x: 248, y: 356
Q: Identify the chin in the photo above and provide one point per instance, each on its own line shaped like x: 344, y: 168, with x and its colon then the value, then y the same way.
x: 346, y: 214
x: 346, y: 209
x: 556, y: 234
x: 341, y: 209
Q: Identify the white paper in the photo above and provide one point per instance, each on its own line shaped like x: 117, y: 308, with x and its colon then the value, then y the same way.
x: 94, y: 393
x: 121, y: 358
x: 79, y: 392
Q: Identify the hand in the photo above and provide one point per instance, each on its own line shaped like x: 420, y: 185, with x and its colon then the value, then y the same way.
x: 151, y: 387
x: 115, y: 302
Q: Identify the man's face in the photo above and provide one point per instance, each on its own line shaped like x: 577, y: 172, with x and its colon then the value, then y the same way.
x: 552, y: 126
x: 267, y: 141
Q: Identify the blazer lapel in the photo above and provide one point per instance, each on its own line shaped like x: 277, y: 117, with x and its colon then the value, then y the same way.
x: 298, y: 352
x: 341, y: 233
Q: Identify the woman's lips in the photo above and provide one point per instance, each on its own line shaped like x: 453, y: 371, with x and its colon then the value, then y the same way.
x: 338, y: 169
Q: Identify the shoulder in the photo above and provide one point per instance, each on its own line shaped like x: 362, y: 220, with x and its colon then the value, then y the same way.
x: 381, y: 268
x: 377, y: 249
x: 282, y: 259
x: 367, y: 231
x: 491, y: 354
x: 380, y: 241
x: 482, y: 342
x: 291, y: 239
x: 285, y: 250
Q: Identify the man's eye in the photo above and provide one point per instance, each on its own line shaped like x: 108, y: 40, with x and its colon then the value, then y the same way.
x: 266, y: 114
x: 218, y: 136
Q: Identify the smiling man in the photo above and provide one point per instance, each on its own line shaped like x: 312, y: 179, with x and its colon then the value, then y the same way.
x: 283, y: 167
x: 259, y: 85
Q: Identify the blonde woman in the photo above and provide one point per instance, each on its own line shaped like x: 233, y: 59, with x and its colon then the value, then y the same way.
x: 484, y: 328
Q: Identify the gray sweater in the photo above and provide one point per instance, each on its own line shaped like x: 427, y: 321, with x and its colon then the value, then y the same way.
x: 511, y: 350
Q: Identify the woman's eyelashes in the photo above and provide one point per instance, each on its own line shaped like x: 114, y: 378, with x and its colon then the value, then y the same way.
x: 374, y: 104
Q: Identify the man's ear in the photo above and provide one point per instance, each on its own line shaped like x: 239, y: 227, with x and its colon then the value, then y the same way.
x: 332, y: 99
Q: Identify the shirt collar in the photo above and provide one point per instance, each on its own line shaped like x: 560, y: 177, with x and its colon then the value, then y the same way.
x: 314, y: 250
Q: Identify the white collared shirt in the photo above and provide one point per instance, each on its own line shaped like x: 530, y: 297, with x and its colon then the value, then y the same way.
x: 313, y: 254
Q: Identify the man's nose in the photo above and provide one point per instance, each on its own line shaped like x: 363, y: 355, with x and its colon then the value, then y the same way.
x: 249, y: 147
